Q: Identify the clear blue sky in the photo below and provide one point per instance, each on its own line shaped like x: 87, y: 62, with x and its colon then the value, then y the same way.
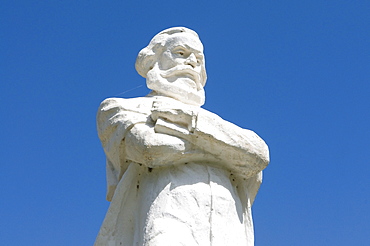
x: 295, y: 72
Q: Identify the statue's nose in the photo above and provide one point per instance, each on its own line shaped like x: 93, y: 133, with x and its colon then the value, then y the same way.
x: 191, y: 60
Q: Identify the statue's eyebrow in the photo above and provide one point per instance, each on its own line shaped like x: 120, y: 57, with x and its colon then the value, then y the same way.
x: 187, y: 47
x: 180, y: 46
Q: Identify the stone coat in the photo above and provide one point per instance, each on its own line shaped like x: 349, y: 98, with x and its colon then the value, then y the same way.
x: 172, y: 185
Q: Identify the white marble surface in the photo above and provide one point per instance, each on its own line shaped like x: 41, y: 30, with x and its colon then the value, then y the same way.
x: 177, y: 174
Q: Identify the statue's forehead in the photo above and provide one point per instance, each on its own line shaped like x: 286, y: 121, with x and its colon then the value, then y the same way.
x: 186, y: 40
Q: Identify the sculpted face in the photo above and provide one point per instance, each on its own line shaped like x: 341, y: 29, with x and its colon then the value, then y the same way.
x: 180, y: 70
x: 183, y: 61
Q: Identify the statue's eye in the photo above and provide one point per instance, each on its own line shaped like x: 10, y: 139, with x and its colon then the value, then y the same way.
x: 179, y: 51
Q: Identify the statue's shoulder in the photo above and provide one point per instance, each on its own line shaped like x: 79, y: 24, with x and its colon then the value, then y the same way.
x: 129, y: 104
x: 208, y: 114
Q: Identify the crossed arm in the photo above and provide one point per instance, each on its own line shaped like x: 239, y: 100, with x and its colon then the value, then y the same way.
x: 176, y: 133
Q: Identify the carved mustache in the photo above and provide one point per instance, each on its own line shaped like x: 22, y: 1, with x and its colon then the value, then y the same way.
x: 183, y: 69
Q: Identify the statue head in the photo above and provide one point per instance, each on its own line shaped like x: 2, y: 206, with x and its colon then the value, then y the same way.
x: 173, y: 65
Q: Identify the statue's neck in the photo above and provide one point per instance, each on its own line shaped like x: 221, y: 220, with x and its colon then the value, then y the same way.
x: 160, y: 94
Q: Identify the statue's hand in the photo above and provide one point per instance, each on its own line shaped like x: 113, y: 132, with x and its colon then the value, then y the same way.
x: 175, y: 112
x: 174, y: 115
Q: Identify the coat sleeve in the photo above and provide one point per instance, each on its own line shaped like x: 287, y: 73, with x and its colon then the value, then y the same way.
x: 246, y: 152
x: 115, y: 118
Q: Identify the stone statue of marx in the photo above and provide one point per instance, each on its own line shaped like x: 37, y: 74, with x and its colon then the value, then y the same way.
x: 177, y: 174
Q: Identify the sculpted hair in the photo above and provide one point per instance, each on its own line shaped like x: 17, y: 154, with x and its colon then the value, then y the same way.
x: 148, y: 56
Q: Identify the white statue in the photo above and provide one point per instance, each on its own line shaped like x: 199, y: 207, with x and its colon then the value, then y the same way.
x: 177, y: 174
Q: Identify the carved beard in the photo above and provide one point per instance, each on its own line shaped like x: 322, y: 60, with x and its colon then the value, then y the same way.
x: 180, y: 89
